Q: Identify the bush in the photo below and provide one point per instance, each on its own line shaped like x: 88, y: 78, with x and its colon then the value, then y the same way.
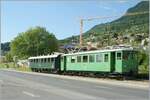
x: 143, y: 62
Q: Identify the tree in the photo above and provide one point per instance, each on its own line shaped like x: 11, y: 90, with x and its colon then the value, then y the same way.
x: 35, y: 41
x: 9, y: 57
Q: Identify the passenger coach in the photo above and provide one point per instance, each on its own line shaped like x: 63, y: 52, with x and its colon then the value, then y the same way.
x: 46, y: 63
x: 110, y: 61
x: 115, y: 61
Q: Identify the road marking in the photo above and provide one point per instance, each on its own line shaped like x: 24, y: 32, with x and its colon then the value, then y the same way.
x: 102, y: 87
x: 30, y: 94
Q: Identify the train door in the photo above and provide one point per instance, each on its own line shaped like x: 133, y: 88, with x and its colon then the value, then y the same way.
x: 57, y: 62
x: 53, y: 63
x: 113, y: 61
x: 65, y: 62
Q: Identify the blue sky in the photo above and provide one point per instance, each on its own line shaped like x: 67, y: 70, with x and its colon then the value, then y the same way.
x: 59, y: 17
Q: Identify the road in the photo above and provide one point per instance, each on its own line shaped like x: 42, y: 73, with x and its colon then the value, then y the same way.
x: 22, y: 86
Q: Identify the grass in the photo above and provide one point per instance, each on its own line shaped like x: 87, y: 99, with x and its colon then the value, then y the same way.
x: 11, y: 65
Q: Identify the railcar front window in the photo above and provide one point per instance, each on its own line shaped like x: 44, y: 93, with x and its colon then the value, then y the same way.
x: 72, y: 60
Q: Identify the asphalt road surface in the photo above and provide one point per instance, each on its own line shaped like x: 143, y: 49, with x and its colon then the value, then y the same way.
x: 21, y: 86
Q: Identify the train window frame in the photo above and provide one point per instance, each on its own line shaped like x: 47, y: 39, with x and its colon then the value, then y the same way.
x: 45, y: 60
x: 106, y: 57
x: 83, y: 59
x: 91, y: 60
x: 73, y: 59
x: 99, y: 57
x: 120, y: 56
x: 36, y: 60
x: 52, y: 59
x: 79, y: 57
x: 42, y: 60
x: 49, y: 59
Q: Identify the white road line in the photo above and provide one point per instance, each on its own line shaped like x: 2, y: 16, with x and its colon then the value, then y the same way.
x: 30, y: 94
x: 103, y: 87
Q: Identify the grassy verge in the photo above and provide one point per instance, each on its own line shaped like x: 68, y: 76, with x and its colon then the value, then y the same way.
x: 11, y: 65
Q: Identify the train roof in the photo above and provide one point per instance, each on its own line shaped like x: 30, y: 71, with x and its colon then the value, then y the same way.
x: 104, y: 50
x: 44, y: 56
x: 84, y: 52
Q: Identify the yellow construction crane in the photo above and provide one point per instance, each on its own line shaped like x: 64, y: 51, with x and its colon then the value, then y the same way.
x: 103, y: 17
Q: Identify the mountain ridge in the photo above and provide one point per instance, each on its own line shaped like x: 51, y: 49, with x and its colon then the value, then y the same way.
x: 123, y: 26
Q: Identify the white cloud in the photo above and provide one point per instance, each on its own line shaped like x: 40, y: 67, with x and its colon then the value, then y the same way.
x: 108, y: 8
x: 122, y: 1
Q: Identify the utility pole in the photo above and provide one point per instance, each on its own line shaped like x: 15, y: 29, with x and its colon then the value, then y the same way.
x: 81, y: 32
x: 0, y: 49
x: 0, y: 36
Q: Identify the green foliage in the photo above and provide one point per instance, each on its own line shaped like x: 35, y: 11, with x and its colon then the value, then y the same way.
x: 33, y: 42
x: 5, y: 47
x: 9, y: 57
x: 143, y: 61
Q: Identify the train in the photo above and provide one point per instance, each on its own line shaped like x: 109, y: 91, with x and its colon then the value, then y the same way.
x: 122, y: 61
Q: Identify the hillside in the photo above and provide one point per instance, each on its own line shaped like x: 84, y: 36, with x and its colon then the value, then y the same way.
x: 125, y: 30
x: 5, y: 47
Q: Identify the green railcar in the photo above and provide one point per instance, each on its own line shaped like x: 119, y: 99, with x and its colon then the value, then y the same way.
x: 45, y: 63
x: 121, y: 61
x: 116, y: 61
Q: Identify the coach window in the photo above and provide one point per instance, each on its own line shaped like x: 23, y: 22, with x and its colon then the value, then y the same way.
x: 106, y: 58
x: 72, y: 59
x: 91, y: 58
x: 85, y: 58
x: 119, y: 56
x: 49, y: 59
x: 78, y: 58
x: 99, y: 58
x: 44, y: 59
x: 52, y: 59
